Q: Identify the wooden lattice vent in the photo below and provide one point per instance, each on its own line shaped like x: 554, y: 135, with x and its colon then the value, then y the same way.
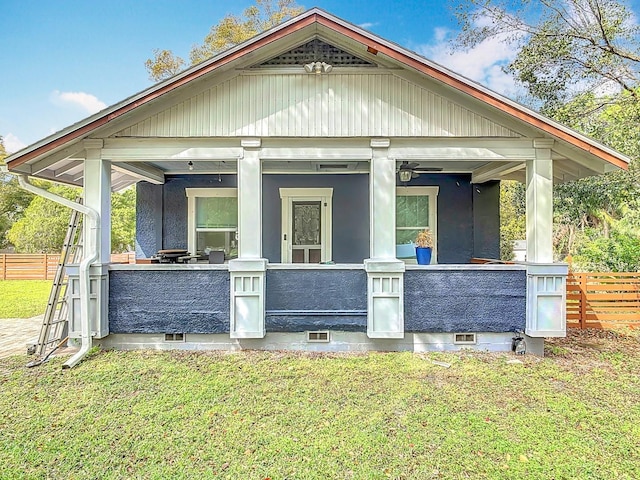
x: 316, y: 50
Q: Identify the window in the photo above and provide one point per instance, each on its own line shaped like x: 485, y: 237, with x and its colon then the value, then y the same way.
x: 213, y: 220
x: 416, y: 209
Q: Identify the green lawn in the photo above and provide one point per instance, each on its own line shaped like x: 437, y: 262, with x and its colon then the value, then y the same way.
x: 23, y: 298
x: 255, y: 415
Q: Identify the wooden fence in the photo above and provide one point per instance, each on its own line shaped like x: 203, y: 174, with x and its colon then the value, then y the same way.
x: 603, y: 300
x: 15, y: 266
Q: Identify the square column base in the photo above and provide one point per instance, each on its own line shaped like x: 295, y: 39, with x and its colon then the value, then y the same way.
x: 385, y: 298
x: 247, y: 297
x: 547, y: 299
x: 98, y: 298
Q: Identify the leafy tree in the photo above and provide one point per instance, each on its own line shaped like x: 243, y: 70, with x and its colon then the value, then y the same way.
x: 13, y: 200
x: 564, y: 48
x: 600, y: 206
x: 123, y: 220
x: 512, y: 216
x: 44, y: 223
x: 43, y: 226
x: 579, y: 60
x: 230, y: 31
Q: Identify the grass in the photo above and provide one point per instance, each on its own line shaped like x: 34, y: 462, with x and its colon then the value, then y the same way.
x: 257, y: 415
x: 23, y: 298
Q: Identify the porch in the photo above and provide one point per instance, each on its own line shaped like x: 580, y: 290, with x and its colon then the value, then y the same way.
x: 189, y: 307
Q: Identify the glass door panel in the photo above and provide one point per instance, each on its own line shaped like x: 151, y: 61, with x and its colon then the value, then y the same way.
x: 306, y: 231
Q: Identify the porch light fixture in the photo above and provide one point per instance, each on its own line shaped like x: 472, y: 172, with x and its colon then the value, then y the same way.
x: 318, y: 67
x: 404, y: 174
x: 190, y: 164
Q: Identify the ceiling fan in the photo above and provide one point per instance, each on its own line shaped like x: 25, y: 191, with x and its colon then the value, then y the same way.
x: 407, y: 170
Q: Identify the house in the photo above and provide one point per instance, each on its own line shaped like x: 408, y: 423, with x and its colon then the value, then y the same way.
x: 286, y: 152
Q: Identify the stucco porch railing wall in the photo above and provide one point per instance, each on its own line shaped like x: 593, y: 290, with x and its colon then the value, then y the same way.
x: 194, y: 299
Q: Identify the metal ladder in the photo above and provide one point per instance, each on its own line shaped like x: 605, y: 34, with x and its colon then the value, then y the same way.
x: 54, y: 330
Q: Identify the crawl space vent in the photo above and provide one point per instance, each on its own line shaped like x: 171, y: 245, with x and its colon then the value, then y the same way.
x: 174, y: 337
x: 464, y: 339
x: 318, y: 337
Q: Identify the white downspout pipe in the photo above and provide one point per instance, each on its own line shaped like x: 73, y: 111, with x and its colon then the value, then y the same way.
x: 90, y: 255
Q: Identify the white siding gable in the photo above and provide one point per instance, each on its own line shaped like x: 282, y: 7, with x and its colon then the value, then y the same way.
x: 308, y: 105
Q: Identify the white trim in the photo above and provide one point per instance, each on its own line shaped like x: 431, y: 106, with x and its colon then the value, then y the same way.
x: 290, y: 195
x: 432, y: 192
x: 192, y: 194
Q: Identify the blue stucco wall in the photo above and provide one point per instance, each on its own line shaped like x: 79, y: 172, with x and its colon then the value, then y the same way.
x: 300, y: 300
x: 161, y: 211
x: 350, y: 213
x: 464, y: 300
x: 148, y: 219
x: 197, y: 301
x: 468, y: 220
x: 184, y: 301
x: 486, y: 220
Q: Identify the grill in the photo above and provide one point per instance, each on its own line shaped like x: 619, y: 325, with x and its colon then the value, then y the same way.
x: 171, y: 255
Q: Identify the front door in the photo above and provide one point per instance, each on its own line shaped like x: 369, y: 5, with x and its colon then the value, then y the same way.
x: 306, y: 225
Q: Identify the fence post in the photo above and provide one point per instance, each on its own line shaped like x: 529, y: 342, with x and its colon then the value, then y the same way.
x: 583, y: 300
x: 4, y: 266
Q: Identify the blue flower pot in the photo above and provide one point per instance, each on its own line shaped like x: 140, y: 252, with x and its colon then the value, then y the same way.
x: 423, y: 255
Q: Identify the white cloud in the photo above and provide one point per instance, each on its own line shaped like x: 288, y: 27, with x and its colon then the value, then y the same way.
x: 483, y: 63
x: 368, y: 25
x: 86, y: 101
x: 12, y: 143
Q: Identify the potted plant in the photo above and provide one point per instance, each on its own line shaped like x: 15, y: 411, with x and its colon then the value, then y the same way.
x: 424, y: 247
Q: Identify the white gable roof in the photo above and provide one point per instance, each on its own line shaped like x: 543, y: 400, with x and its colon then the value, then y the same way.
x: 408, y: 96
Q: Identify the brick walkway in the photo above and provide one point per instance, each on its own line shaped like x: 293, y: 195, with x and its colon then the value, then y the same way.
x: 16, y: 333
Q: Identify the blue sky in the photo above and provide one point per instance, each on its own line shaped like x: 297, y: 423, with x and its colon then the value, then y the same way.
x: 64, y: 60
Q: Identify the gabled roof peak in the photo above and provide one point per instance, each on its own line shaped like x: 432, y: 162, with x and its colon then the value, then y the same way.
x: 309, y: 24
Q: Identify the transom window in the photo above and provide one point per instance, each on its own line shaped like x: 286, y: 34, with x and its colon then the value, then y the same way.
x: 416, y: 209
x: 213, y: 220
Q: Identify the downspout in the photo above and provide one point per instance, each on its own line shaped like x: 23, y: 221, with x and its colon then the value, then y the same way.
x: 90, y: 256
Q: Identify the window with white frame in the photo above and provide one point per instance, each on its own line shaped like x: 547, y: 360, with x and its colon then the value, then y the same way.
x: 416, y: 209
x: 213, y: 220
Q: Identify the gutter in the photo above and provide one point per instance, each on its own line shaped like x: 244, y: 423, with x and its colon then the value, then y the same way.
x: 90, y: 256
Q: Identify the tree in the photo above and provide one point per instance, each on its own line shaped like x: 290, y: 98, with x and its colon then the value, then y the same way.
x: 44, y: 223
x: 564, y: 48
x: 123, y: 220
x: 13, y: 200
x: 579, y: 60
x: 230, y: 31
x: 512, y: 216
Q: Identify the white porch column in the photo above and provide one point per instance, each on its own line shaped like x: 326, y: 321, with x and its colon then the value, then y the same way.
x: 539, y: 203
x: 546, y: 281
x: 385, y: 273
x: 247, y: 272
x: 97, y: 195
